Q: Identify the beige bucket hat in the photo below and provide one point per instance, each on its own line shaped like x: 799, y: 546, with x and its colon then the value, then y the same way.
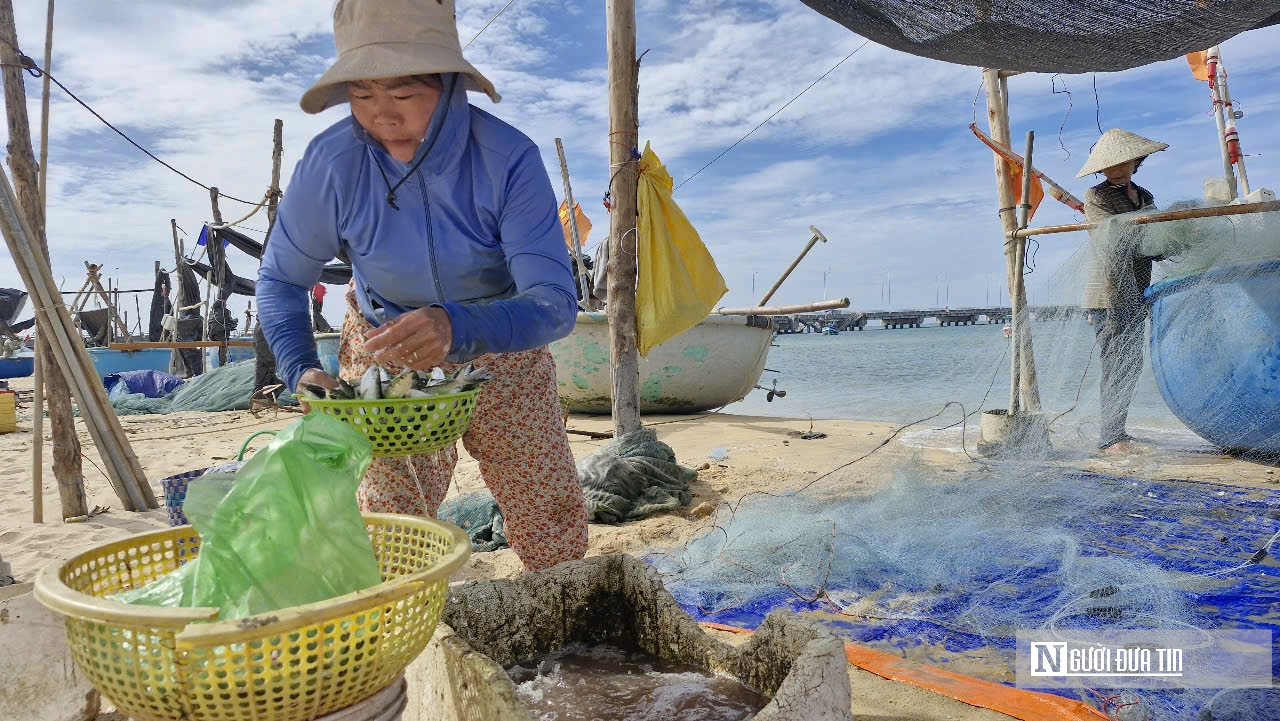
x: 392, y: 38
x: 1117, y: 146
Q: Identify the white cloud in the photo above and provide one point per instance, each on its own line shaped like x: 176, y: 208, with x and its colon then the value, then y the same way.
x: 877, y: 155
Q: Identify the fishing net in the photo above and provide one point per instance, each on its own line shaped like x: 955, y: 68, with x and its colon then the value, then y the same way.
x: 1049, y: 35
x: 946, y: 571
x: 226, y: 388
x: 945, y: 568
x: 1214, y: 319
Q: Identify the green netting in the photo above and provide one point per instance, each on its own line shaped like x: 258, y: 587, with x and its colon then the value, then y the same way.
x: 223, y: 389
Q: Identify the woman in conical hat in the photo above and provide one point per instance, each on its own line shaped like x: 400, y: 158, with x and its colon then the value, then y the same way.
x: 1113, y: 295
x: 448, y: 218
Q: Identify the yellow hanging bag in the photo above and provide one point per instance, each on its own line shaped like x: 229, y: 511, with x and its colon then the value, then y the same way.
x: 678, y: 282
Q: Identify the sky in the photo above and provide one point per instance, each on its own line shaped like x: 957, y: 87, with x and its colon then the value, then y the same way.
x: 878, y: 155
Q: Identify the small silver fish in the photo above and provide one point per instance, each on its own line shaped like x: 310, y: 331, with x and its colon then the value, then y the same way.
x: 371, y: 384
x: 344, y: 391
x: 399, y: 386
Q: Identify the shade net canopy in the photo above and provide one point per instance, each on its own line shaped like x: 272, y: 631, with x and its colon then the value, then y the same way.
x: 1050, y: 35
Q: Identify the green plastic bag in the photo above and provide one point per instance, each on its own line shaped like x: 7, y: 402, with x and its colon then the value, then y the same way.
x: 283, y: 530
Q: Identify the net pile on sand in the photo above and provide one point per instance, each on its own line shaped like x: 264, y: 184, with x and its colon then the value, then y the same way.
x: 948, y: 570
x: 226, y: 388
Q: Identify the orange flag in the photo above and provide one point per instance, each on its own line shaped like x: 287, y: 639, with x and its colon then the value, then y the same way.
x: 584, y: 225
x: 1038, y: 179
x: 1199, y: 62
x: 1037, y: 189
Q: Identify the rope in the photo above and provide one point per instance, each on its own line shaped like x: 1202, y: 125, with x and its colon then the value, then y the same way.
x: 771, y: 117
x: 26, y: 63
x: 486, y: 25
x: 265, y: 199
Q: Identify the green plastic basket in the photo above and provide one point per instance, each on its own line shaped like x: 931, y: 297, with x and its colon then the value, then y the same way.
x: 405, y: 426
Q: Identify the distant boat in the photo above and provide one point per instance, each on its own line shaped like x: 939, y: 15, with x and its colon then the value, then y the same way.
x: 1007, y: 330
x: 1215, y: 350
x: 713, y: 364
x: 830, y: 329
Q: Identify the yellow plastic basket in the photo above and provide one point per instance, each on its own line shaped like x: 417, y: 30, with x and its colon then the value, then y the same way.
x: 405, y: 426
x: 296, y: 664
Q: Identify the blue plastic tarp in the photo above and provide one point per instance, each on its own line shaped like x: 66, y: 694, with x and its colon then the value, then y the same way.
x: 150, y: 383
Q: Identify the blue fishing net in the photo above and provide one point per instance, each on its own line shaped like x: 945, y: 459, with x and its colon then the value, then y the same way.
x: 946, y: 571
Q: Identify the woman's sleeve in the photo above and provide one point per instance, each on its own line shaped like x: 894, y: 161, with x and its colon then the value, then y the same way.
x: 545, y: 306
x: 304, y: 238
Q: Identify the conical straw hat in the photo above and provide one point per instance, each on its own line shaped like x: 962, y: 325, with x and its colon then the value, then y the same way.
x: 1117, y: 146
x: 392, y: 38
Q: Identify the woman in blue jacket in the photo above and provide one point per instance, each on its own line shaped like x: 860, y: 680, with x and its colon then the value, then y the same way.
x: 449, y: 220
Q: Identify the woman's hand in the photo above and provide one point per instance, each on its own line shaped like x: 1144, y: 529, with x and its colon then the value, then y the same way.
x: 418, y: 340
x: 315, y: 377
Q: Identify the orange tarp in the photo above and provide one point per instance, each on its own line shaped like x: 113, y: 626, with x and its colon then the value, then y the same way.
x: 1018, y: 703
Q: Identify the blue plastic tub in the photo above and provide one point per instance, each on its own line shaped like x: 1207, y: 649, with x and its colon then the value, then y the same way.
x: 235, y: 354
x: 19, y: 367
x: 117, y: 361
x: 1226, y: 390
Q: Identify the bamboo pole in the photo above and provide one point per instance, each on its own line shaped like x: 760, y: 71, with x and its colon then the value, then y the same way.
x: 584, y: 282
x: 179, y: 298
x: 813, y: 239
x: 66, y: 446
x: 786, y: 309
x: 1228, y: 171
x: 208, y: 281
x: 147, y: 345
x: 37, y: 394
x: 73, y: 360
x: 1216, y: 211
x: 1020, y: 325
x: 1234, y: 153
x: 998, y: 122
x: 624, y: 355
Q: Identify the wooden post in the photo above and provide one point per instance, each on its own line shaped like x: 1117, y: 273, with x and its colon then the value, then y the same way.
x: 22, y: 161
x: 37, y: 395
x: 179, y: 298
x: 624, y: 356
x: 1024, y: 371
x: 208, y: 286
x: 584, y: 282
x: 277, y: 152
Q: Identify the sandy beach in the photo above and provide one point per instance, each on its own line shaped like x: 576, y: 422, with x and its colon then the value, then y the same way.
x: 741, y: 454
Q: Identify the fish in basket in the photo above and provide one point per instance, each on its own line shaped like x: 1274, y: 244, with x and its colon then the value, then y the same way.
x: 408, y: 413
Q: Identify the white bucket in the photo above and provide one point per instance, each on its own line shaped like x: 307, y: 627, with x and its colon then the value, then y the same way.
x: 385, y: 705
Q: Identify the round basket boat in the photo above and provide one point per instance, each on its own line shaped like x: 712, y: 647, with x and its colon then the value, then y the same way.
x: 296, y: 664
x: 1215, y: 350
x: 405, y: 426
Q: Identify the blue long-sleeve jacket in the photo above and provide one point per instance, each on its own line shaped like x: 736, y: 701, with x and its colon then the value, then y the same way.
x: 476, y: 233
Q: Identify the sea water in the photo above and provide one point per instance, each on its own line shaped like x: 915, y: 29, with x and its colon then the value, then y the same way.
x: 608, y: 683
x: 907, y: 375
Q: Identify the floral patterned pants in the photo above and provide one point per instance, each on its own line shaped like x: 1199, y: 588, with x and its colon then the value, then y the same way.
x: 517, y: 436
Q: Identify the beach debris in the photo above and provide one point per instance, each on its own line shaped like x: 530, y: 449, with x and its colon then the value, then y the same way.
x: 810, y: 435
x: 378, y: 384
x: 702, y: 510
